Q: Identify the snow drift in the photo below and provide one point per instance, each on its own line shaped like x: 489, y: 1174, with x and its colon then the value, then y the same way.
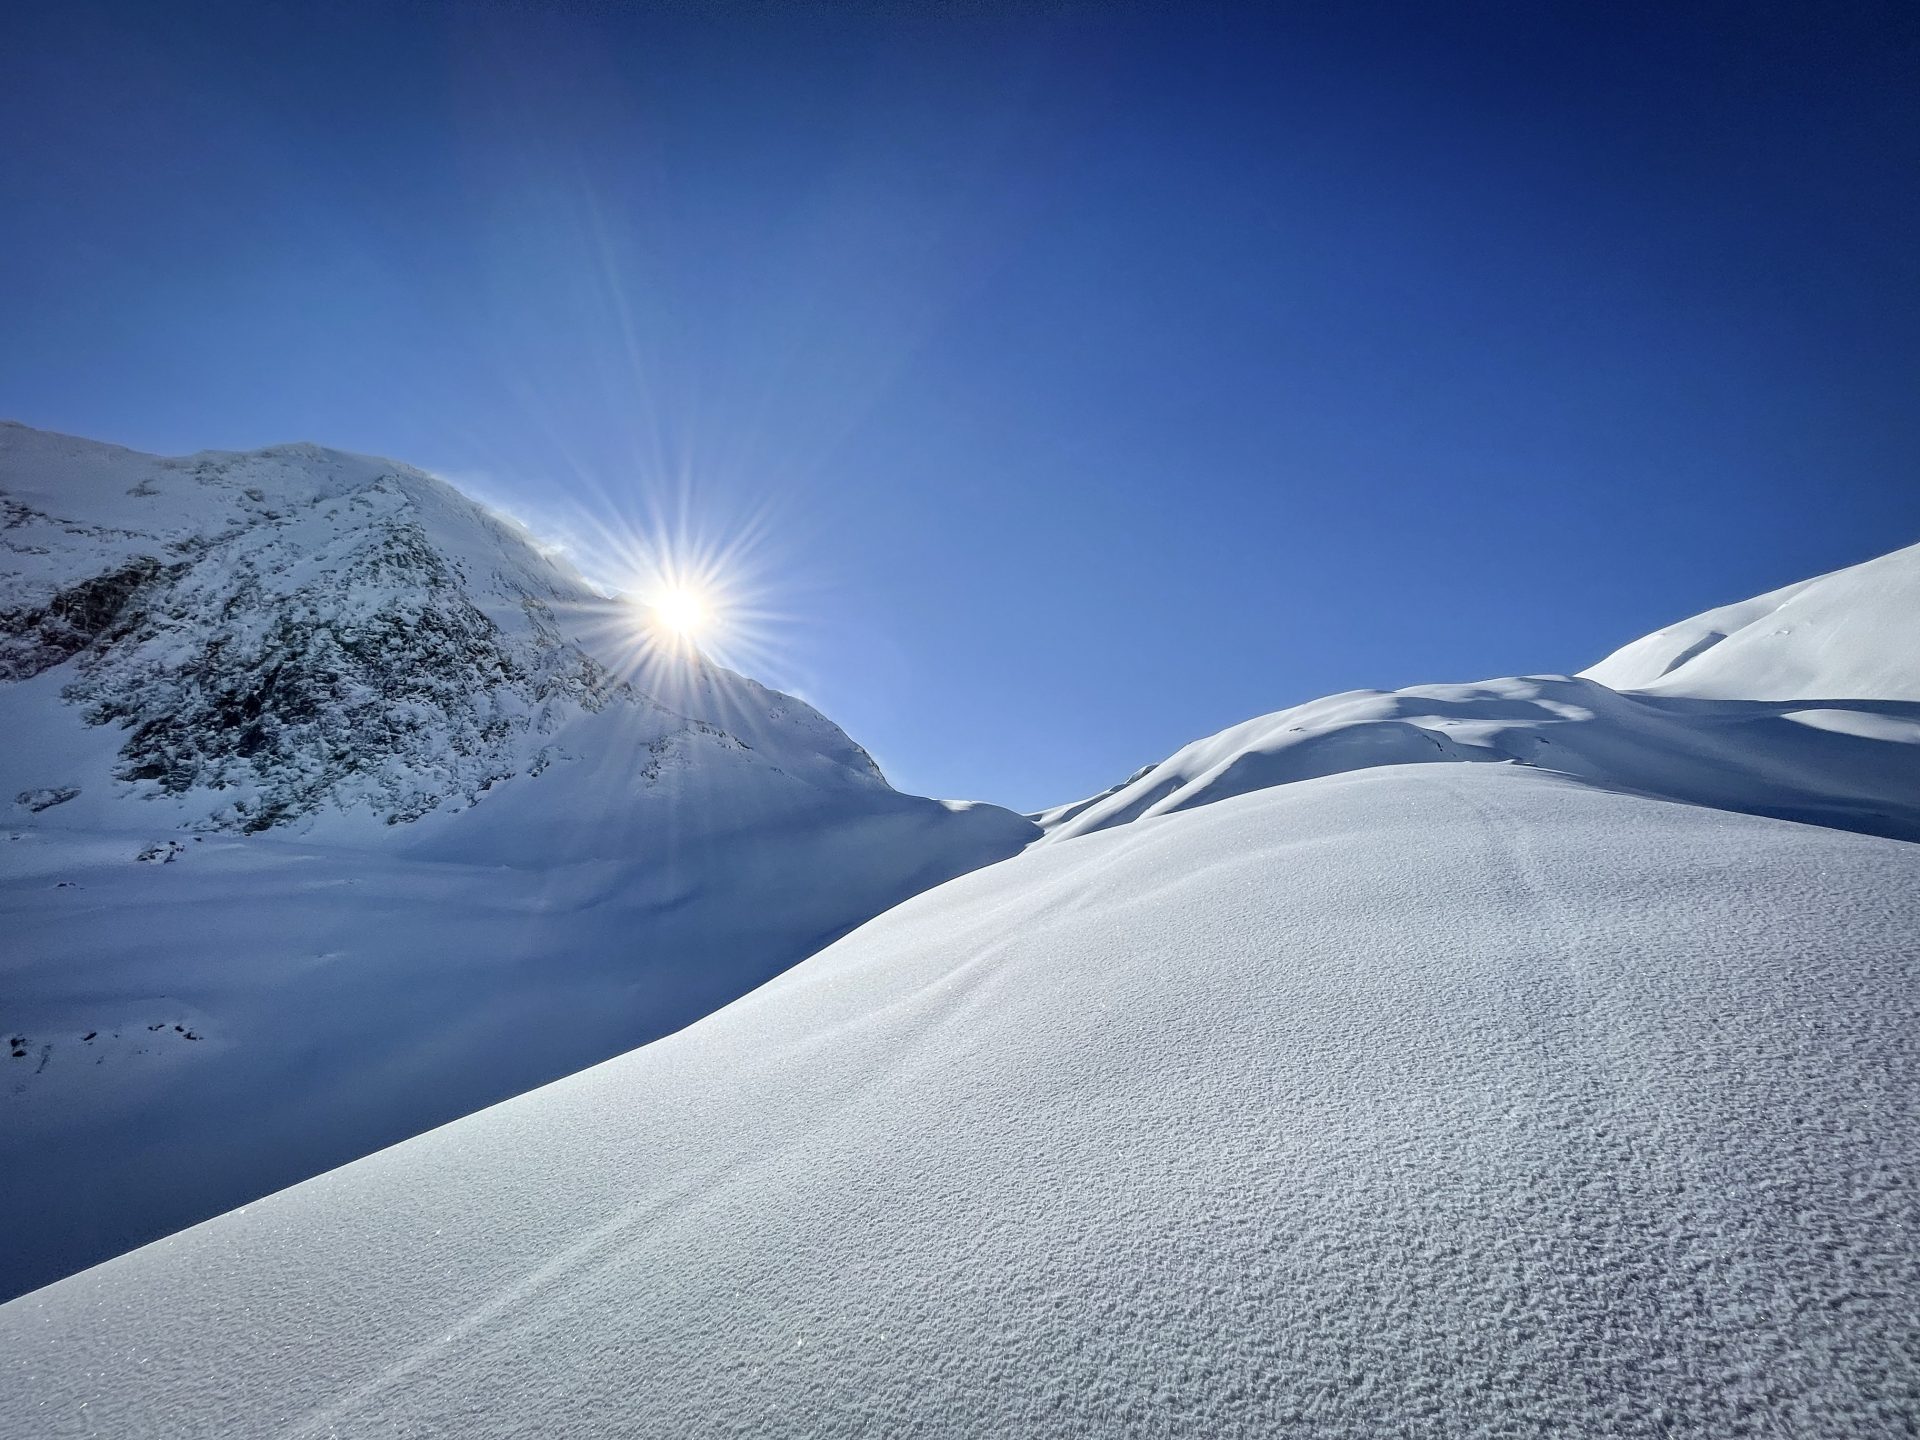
x: 1458, y: 1100
x: 1802, y: 704
x: 339, y: 810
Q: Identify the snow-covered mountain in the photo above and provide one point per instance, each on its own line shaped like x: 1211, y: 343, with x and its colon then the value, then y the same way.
x: 338, y: 809
x: 300, y: 635
x: 1302, y: 1084
x: 1802, y: 704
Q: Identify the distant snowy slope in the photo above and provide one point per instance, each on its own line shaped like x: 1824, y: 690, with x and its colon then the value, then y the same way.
x: 335, y: 809
x: 1460, y: 1100
x: 1802, y: 704
x: 1853, y: 634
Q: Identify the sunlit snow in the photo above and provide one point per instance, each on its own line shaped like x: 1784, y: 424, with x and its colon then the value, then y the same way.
x: 1537, y: 1056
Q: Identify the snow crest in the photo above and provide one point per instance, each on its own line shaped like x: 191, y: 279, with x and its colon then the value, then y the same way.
x: 1803, y: 704
x: 1851, y: 634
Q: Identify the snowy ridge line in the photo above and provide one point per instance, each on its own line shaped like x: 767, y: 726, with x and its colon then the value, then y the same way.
x: 1806, y: 707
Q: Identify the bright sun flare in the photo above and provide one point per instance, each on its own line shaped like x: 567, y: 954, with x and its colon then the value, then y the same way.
x: 681, y: 611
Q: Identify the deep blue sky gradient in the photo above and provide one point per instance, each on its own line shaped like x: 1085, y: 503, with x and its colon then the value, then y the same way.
x: 1097, y: 376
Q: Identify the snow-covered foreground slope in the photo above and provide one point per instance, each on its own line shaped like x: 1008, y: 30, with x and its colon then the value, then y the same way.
x: 336, y: 809
x: 1802, y: 704
x: 1460, y: 1100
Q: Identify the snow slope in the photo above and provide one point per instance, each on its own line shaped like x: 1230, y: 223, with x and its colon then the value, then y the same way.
x: 337, y: 809
x: 1802, y: 704
x: 1462, y: 1099
x: 1851, y: 634
x: 1316, y: 1087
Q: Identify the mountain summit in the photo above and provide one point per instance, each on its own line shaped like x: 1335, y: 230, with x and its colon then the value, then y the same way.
x: 297, y: 632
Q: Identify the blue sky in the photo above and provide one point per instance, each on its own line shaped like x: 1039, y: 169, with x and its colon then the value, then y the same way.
x: 1089, y: 377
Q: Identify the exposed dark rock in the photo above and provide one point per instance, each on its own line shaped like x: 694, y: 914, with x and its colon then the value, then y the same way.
x: 37, y: 638
x: 47, y: 798
x: 363, y: 674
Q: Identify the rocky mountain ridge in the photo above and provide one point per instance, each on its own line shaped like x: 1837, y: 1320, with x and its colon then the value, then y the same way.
x: 297, y: 629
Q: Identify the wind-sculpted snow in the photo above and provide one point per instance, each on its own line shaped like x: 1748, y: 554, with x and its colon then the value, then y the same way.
x: 1802, y: 704
x: 1854, y: 764
x: 1441, y: 1100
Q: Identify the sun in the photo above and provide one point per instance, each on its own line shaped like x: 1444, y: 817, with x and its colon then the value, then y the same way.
x: 681, y: 612
x: 674, y: 606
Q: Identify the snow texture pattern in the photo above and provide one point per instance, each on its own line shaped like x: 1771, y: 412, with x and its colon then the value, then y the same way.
x: 1455, y: 1100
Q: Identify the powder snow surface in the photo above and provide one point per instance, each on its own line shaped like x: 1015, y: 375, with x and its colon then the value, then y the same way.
x: 1462, y: 1100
